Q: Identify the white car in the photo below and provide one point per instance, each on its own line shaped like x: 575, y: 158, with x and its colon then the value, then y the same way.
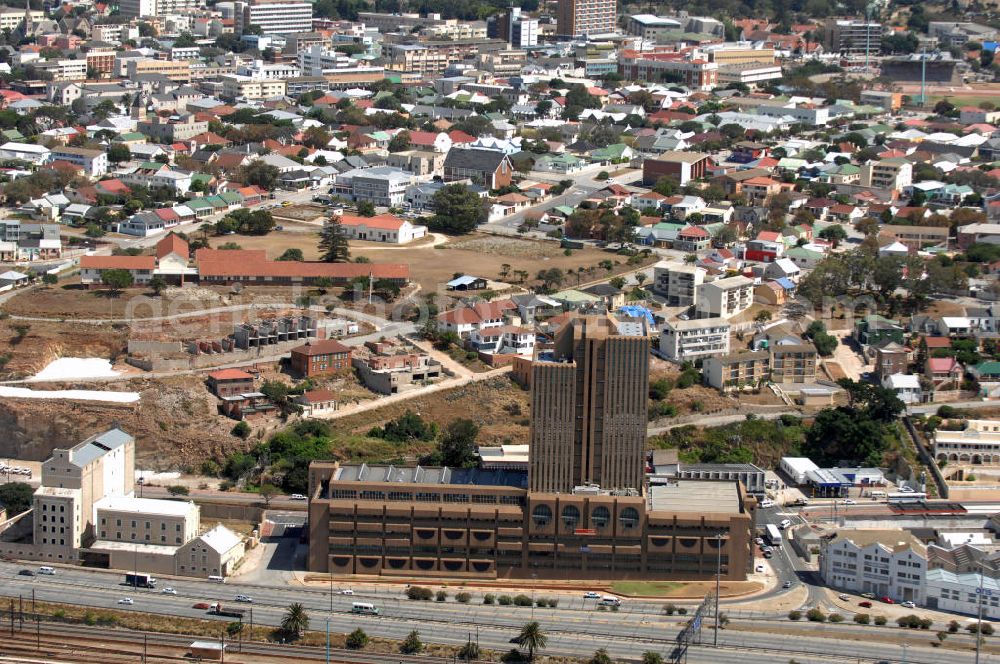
x: 244, y: 598
x: 168, y: 591
x: 126, y: 600
x: 760, y: 569
x: 850, y: 501
x: 591, y: 595
x: 758, y: 541
x: 906, y: 489
x: 346, y: 591
x: 845, y: 597
x: 908, y: 605
x: 297, y: 496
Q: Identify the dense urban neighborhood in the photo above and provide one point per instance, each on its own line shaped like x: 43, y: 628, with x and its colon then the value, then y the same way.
x: 575, y: 331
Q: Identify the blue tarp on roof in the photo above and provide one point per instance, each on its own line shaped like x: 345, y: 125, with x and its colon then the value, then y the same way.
x: 633, y: 311
x: 785, y: 283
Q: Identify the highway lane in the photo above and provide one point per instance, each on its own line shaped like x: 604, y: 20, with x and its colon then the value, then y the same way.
x: 571, y: 631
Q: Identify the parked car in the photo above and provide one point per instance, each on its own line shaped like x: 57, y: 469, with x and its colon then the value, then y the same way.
x: 868, y: 595
x: 346, y: 591
x: 888, y: 600
x: 760, y: 569
x: 906, y: 489
x: 768, y: 554
x: 786, y: 584
x: 168, y: 591
x: 244, y: 598
x: 590, y: 594
x: 759, y: 541
x: 866, y: 604
x: 844, y: 596
x: 127, y: 601
x: 297, y: 496
x: 908, y: 605
x: 26, y: 572
x: 850, y: 501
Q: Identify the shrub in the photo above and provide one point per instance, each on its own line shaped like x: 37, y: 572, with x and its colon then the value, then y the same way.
x: 226, y: 485
x: 463, y: 598
x: 953, y: 626
x: 489, y: 598
x: 602, y: 607
x: 241, y: 430
x: 357, y: 639
x: 542, y: 602
x: 178, y: 490
x: 880, y: 620
x: 411, y: 645
x: 651, y: 657
x: 89, y: 619
x: 553, y: 602
x: 926, y: 623
x: 441, y: 596
x: 682, y: 611
x: 795, y: 615
x: 988, y: 629
x: 669, y: 609
x: 836, y: 618
x: 59, y: 614
x: 419, y: 593
x: 522, y: 600
x: 941, y: 636
x: 862, y: 618
x: 816, y: 614
x: 505, y: 600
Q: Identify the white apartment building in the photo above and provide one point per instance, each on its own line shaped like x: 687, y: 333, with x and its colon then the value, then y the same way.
x: 63, y: 70
x: 382, y: 185
x: 13, y: 17
x: 29, y: 152
x: 260, y: 70
x: 93, y: 162
x: 319, y: 61
x: 889, y: 563
x: 137, y: 8
x: 724, y: 298
x: 690, y: 340
x: 579, y: 18
x: 958, y: 592
x: 677, y: 282
x: 978, y: 443
x: 280, y: 18
x: 235, y: 86
x: 895, y: 174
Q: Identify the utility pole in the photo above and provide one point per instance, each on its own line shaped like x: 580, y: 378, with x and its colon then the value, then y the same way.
x: 328, y: 640
x: 718, y: 582
x: 979, y: 624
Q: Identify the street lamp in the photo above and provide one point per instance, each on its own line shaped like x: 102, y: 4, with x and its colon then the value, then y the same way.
x: 718, y: 582
x: 979, y: 626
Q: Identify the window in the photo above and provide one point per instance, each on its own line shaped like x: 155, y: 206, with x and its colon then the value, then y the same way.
x: 629, y: 518
x: 570, y: 516
x: 600, y: 517
x: 541, y: 515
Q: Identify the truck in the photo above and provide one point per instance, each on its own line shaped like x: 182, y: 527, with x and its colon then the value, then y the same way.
x: 772, y: 535
x: 216, y: 609
x: 140, y: 581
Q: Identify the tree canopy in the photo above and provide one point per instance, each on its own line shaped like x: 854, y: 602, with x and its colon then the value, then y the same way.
x: 457, y: 209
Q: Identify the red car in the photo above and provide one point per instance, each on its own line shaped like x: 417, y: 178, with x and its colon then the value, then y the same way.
x: 888, y: 600
x: 865, y: 604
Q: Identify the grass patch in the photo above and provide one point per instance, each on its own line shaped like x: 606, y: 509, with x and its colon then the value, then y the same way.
x: 647, y: 588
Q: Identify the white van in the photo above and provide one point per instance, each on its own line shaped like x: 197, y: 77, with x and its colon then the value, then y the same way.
x: 785, y: 523
x: 767, y: 502
x: 365, y: 607
x: 46, y: 570
x: 610, y: 601
x: 217, y: 579
x: 876, y: 495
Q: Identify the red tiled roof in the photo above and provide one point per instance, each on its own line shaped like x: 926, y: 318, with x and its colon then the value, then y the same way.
x: 230, y: 374
x: 314, y: 396
x: 172, y: 244
x: 458, y: 136
x: 942, y: 364
x: 254, y: 263
x: 118, y: 262
x: 323, y: 347
x: 423, y: 137
x: 937, y: 342
x: 385, y: 221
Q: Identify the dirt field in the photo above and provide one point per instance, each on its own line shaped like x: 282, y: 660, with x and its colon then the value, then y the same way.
x: 28, y: 347
x: 498, y: 406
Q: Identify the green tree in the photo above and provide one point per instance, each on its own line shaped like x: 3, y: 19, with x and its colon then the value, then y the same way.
x: 158, y: 284
x: 834, y: 233
x: 357, y: 639
x: 651, y: 657
x: 117, y: 280
x: 259, y: 173
x: 333, y: 245
x: 293, y: 254
x: 458, y: 445
x: 400, y: 142
x: 533, y: 638
x: 366, y: 208
x: 119, y: 153
x: 457, y: 209
x: 50, y: 279
x: 412, y: 644
x: 16, y: 497
x: 470, y: 651
x: 241, y: 430
x: 295, y: 621
x: 601, y: 656
x: 267, y: 493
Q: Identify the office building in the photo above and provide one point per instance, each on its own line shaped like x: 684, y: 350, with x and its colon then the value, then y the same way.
x: 514, y: 27
x: 279, y: 18
x: 583, y: 18
x: 580, y: 510
x: 589, y: 409
x: 158, y: 8
x: 852, y: 38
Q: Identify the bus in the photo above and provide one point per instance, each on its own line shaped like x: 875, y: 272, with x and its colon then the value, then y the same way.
x: 905, y: 498
x: 365, y: 607
x: 772, y: 534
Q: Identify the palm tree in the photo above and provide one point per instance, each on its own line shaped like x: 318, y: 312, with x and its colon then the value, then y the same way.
x: 532, y: 637
x: 296, y: 620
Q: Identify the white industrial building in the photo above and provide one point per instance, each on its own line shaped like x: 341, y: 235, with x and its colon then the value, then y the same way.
x: 796, y: 468
x: 889, y: 563
x: 958, y: 592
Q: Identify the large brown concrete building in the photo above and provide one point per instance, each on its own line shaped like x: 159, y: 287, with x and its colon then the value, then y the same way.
x: 580, y: 512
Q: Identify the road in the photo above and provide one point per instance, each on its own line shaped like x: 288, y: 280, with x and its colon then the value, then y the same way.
x: 574, y: 628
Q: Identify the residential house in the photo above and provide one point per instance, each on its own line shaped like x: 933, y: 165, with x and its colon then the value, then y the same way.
x: 318, y: 402
x: 320, y: 358
x: 230, y: 382
x: 906, y: 387
x: 92, y: 268
x: 890, y: 358
x: 479, y: 315
x: 944, y: 373
x: 381, y: 228
x: 873, y: 329
x: 93, y: 162
x: 503, y: 340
